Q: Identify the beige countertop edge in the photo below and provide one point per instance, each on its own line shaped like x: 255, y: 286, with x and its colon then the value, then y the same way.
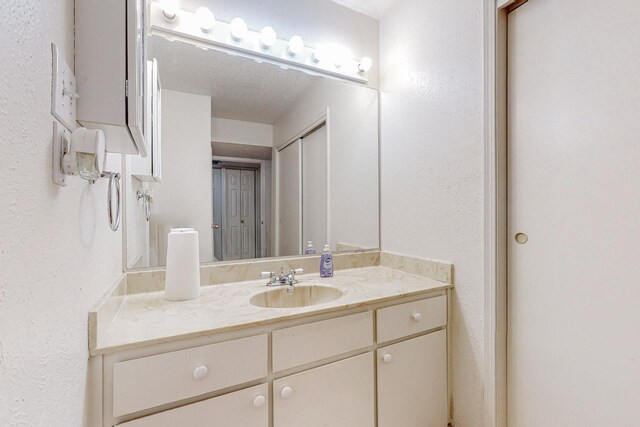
x: 98, y: 350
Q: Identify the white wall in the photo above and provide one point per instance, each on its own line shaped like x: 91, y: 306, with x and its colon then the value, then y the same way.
x: 241, y: 132
x: 432, y: 163
x: 57, y: 252
x: 316, y: 21
x: 136, y: 224
x: 184, y: 197
x: 353, y: 156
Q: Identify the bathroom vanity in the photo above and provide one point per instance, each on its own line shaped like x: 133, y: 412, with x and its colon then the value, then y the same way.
x: 369, y: 350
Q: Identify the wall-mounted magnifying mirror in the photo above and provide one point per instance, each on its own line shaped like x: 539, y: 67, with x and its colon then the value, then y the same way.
x: 259, y: 159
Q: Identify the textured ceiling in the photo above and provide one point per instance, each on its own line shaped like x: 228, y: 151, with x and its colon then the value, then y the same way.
x: 240, y: 88
x: 373, y: 8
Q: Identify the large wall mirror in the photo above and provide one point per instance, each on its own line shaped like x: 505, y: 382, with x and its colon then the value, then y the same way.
x: 259, y: 159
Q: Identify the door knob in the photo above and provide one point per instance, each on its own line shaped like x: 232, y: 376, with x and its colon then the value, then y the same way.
x: 417, y: 317
x: 215, y: 226
x: 387, y: 358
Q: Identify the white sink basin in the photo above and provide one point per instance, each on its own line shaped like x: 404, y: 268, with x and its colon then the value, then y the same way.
x: 302, y: 296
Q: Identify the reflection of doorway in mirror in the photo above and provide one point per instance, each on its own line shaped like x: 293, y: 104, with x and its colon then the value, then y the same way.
x: 236, y: 218
x: 240, y: 214
x: 216, y: 225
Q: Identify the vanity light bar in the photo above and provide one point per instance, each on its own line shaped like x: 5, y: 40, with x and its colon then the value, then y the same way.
x: 203, y: 30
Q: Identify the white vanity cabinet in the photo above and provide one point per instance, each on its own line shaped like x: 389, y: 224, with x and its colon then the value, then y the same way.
x: 412, y: 382
x: 246, y: 408
x: 383, y: 365
x: 340, y: 394
x: 412, y: 374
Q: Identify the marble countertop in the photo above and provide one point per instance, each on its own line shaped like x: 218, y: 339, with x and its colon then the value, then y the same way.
x: 147, y: 319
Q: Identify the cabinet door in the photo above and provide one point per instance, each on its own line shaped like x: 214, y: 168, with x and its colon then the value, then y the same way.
x: 244, y: 408
x: 412, y: 382
x: 340, y: 394
x: 149, y: 168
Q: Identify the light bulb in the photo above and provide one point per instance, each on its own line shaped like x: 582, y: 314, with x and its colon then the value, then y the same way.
x: 238, y: 29
x: 205, y: 18
x: 296, y: 45
x: 268, y: 37
x: 365, y: 64
x: 169, y: 9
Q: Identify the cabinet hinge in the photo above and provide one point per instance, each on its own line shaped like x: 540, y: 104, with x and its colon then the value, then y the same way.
x: 126, y: 88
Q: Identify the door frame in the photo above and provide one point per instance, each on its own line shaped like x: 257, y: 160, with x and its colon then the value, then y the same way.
x: 495, y: 218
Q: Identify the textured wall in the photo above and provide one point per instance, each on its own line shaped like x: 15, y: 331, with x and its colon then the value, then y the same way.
x: 432, y: 163
x: 57, y: 253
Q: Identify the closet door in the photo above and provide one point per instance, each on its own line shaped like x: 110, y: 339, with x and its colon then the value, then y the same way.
x: 314, y: 188
x: 290, y: 200
x: 574, y: 197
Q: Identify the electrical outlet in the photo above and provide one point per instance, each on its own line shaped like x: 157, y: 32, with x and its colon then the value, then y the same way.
x: 61, y: 139
x: 64, y: 95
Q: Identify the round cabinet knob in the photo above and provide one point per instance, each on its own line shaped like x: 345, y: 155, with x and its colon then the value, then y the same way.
x: 200, y: 372
x: 417, y: 317
x: 387, y: 358
x: 259, y: 401
x: 286, y: 392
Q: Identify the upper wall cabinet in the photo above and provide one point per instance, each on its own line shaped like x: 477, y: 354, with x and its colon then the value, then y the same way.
x: 110, y: 71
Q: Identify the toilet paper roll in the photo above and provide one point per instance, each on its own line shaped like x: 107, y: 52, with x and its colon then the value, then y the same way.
x: 182, y: 280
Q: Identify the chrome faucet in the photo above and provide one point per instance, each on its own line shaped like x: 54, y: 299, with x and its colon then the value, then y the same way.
x: 288, y: 280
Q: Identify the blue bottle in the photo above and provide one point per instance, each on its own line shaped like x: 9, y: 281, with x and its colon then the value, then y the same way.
x: 326, y: 262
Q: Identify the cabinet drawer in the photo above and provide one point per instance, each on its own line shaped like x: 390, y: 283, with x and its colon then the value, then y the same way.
x: 411, y: 318
x: 151, y: 381
x: 302, y: 344
x: 246, y: 408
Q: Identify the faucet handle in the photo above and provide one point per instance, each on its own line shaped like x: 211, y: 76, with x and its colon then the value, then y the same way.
x: 267, y: 274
